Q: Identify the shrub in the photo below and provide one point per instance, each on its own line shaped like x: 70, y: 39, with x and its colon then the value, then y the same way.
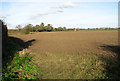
x: 25, y: 30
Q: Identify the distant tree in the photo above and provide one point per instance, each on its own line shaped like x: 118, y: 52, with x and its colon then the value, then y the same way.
x: 70, y: 29
x: 96, y: 28
x: 42, y: 24
x: 48, y: 27
x: 25, y: 30
x: 18, y: 27
x: 55, y: 29
x: 34, y: 29
x: 41, y: 27
x: 64, y: 28
x: 37, y: 28
x: 29, y: 27
x: 60, y: 29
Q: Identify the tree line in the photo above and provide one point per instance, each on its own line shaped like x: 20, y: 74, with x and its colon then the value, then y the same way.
x: 40, y: 28
x: 48, y: 28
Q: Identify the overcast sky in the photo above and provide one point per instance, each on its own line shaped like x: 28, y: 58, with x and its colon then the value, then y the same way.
x: 68, y: 13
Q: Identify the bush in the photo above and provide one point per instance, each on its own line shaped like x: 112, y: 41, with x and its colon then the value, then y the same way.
x: 25, y: 30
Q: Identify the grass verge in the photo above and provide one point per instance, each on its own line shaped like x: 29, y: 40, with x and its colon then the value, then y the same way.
x: 16, y: 67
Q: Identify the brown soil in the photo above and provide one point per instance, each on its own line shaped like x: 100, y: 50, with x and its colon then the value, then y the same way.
x: 84, y: 42
x: 55, y: 52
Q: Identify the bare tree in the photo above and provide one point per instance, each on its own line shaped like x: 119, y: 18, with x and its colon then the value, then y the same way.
x: 18, y: 27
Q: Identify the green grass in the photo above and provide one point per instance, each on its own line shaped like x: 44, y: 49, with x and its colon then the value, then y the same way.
x: 15, y: 67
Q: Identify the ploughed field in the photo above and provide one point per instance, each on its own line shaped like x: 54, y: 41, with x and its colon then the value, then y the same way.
x: 75, y: 55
